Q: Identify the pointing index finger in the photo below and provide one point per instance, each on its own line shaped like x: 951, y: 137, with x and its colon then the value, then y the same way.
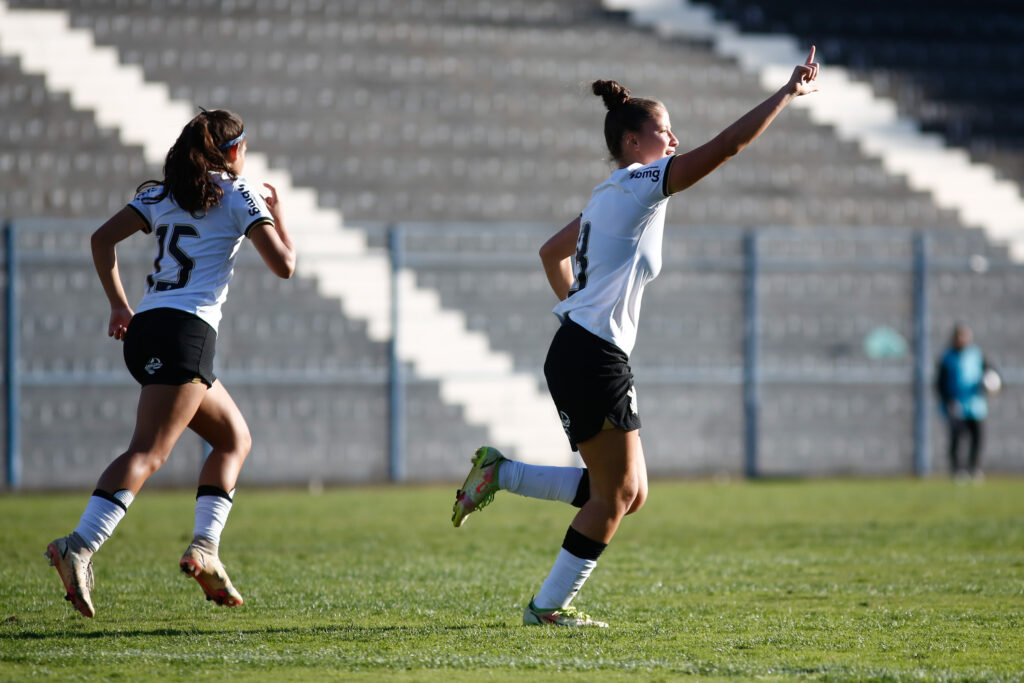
x: 810, y: 57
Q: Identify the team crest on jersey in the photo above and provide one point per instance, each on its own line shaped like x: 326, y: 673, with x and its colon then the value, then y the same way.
x: 149, y: 192
x: 153, y: 365
x: 653, y: 173
x: 565, y: 422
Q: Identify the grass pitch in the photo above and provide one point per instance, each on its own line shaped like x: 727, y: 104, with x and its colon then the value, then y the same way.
x: 830, y: 580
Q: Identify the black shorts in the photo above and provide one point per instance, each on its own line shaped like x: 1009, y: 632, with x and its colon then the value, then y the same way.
x: 591, y: 383
x: 168, y: 346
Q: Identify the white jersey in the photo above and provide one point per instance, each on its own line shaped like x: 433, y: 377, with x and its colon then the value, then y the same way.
x: 618, y: 252
x: 195, y: 257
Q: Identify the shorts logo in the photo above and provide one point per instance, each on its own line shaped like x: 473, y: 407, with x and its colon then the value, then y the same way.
x: 565, y: 422
x: 632, y: 400
x: 153, y: 365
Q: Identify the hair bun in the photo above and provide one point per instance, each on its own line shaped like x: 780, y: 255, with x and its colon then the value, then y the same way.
x: 611, y: 92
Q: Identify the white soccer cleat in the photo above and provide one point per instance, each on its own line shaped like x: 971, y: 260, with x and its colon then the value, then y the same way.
x: 564, y: 616
x: 480, y: 486
x: 200, y: 561
x: 75, y: 569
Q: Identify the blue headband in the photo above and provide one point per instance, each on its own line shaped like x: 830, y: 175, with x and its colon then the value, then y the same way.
x: 232, y: 143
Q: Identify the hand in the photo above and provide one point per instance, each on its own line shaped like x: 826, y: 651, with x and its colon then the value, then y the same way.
x: 272, y: 202
x: 119, y: 319
x: 804, y: 78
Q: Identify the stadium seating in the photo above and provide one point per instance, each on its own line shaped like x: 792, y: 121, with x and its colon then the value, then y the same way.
x: 55, y: 161
x: 951, y: 66
x: 435, y: 115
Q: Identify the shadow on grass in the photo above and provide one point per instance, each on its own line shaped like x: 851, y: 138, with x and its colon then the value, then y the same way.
x: 342, y: 631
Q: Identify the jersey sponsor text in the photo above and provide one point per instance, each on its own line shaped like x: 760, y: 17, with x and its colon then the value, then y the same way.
x: 247, y: 196
x: 653, y: 173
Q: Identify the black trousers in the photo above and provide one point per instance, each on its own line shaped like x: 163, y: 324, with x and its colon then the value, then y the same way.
x: 975, y: 433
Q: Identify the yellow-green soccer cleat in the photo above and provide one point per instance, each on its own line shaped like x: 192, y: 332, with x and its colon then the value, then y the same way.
x: 75, y: 569
x: 200, y: 561
x: 480, y: 486
x: 566, y: 616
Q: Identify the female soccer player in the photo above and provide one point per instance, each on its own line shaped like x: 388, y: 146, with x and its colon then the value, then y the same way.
x: 199, y: 214
x: 617, y: 245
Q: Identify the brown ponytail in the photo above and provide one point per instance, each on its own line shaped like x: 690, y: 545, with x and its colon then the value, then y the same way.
x: 625, y: 113
x: 194, y: 155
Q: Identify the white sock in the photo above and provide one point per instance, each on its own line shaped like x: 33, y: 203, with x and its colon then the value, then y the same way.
x: 564, y: 582
x: 211, y: 516
x: 100, y: 518
x: 540, y: 481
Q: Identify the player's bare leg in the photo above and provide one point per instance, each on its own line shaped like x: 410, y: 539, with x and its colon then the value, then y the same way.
x: 219, y: 422
x: 163, y: 414
x: 618, y: 486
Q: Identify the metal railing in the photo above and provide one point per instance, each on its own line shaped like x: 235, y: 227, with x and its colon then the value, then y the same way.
x: 751, y: 266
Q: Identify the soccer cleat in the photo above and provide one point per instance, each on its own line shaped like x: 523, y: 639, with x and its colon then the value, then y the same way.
x: 480, y: 486
x: 75, y: 569
x: 565, y: 616
x: 200, y: 561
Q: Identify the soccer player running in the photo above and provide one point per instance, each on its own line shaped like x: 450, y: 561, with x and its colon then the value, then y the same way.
x: 617, y: 246
x: 199, y: 214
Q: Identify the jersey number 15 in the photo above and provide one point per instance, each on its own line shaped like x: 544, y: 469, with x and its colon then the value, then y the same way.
x: 184, y: 261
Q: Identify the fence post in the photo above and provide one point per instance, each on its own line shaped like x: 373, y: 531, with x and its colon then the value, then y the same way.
x: 922, y: 423
x: 12, y: 379
x: 751, y: 329
x: 396, y: 370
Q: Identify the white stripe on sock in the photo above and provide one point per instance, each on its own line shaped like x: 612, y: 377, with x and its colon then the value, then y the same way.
x: 125, y: 496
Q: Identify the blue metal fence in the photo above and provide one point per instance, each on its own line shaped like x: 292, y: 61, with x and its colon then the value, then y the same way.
x: 922, y: 359
x: 12, y: 379
x: 751, y: 334
x: 752, y: 267
x: 396, y: 379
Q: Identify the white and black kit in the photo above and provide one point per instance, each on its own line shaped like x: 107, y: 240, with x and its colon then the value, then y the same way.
x: 617, y: 253
x: 171, y: 339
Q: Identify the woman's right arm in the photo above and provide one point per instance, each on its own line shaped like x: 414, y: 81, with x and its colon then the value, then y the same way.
x: 121, y: 225
x: 556, y: 255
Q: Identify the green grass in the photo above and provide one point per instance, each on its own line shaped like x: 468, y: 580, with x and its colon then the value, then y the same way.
x: 830, y: 580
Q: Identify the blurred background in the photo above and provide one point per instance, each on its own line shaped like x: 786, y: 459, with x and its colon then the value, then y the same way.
x: 424, y: 149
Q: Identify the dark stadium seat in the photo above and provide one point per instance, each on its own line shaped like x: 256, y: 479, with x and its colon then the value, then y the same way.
x: 949, y: 65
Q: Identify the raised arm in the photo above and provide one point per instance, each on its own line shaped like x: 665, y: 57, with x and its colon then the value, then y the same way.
x: 121, y: 225
x: 690, y: 167
x: 556, y: 255
x: 272, y: 240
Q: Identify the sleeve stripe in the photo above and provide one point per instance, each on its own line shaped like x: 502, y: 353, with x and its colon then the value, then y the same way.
x: 149, y: 228
x: 664, y: 182
x: 261, y: 219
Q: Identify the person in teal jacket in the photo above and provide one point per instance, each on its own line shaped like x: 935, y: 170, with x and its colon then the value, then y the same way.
x: 960, y: 385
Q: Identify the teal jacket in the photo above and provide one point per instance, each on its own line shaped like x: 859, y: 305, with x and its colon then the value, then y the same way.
x: 959, y: 384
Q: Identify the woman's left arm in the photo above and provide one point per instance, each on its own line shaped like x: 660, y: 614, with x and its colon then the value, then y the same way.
x: 694, y: 165
x: 272, y: 241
